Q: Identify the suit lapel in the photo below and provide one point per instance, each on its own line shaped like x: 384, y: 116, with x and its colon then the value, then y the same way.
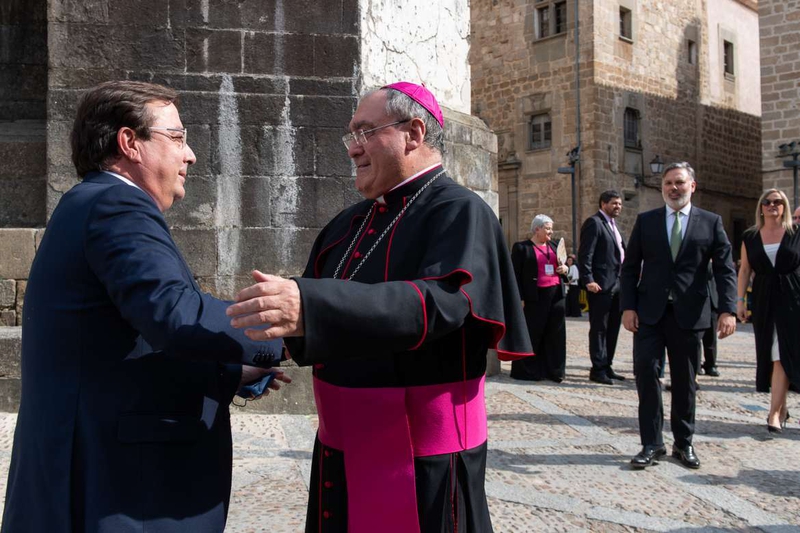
x: 610, y: 232
x: 663, y: 237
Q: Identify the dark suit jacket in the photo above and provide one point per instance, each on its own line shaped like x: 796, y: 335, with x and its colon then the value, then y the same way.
x: 649, y: 273
x: 598, y: 256
x: 123, y: 423
x: 526, y: 268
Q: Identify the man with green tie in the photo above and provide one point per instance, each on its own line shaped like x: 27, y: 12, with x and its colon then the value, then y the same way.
x: 665, y: 302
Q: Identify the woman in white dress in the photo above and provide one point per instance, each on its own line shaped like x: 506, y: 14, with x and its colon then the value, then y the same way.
x: 771, y: 252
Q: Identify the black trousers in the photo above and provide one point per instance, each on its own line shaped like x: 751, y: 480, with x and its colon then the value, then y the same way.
x: 604, y: 321
x: 710, y: 343
x: 682, y: 347
x: 573, y: 301
x: 548, y: 331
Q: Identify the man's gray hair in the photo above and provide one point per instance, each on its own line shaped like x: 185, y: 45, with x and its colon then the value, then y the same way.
x: 403, y: 107
x: 539, y: 221
x: 682, y: 164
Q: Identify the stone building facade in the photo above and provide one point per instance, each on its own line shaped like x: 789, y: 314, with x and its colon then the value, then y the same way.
x: 654, y: 78
x: 780, y: 88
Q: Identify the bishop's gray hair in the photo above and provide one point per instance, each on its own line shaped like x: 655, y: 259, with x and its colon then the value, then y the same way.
x: 539, y: 221
x: 403, y: 107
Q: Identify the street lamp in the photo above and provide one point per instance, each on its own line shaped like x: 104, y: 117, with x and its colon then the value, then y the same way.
x: 574, y: 158
x: 792, y: 150
x: 656, y: 168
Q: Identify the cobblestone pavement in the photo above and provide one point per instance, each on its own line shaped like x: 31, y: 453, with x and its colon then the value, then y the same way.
x: 558, y: 456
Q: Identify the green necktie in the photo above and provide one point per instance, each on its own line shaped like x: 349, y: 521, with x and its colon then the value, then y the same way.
x: 675, y: 238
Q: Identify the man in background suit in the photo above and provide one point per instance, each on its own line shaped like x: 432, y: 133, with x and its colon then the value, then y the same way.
x: 600, y: 257
x: 665, y: 304
x: 123, y: 423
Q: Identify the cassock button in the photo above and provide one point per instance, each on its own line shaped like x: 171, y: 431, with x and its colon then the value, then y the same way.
x: 371, y: 231
x: 357, y: 255
x: 381, y: 210
x: 326, y: 514
x: 327, y: 453
x: 319, y: 366
x: 328, y: 484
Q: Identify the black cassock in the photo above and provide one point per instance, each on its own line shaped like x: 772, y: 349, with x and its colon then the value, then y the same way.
x: 399, y: 355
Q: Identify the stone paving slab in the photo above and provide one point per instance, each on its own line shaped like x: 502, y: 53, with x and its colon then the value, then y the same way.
x: 558, y: 456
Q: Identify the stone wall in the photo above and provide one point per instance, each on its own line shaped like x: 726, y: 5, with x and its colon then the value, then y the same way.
x: 23, y: 89
x: 266, y: 90
x: 780, y: 91
x: 419, y: 41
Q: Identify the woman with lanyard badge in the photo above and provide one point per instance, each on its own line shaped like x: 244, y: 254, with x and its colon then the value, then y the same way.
x: 539, y: 278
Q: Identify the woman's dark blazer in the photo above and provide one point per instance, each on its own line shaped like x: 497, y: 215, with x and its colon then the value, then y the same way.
x: 526, y: 267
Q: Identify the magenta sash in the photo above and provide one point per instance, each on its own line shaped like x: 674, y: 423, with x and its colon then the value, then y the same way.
x: 381, y: 430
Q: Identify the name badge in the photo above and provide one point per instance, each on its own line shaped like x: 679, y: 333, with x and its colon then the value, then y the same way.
x: 549, y: 270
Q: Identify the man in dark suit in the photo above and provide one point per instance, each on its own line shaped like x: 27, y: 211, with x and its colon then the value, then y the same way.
x: 600, y: 257
x: 665, y: 304
x: 123, y: 423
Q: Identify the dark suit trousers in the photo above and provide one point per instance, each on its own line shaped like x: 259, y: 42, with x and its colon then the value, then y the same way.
x: 604, y: 321
x: 710, y: 343
x: 682, y: 349
x: 548, y: 331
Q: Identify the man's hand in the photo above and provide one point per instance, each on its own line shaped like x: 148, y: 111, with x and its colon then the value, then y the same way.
x: 593, y: 287
x: 726, y: 325
x: 562, y: 270
x: 251, y: 374
x: 630, y: 320
x: 273, y: 301
x: 741, y: 311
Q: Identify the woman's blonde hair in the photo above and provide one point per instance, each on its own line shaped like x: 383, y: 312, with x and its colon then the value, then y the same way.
x: 786, y: 220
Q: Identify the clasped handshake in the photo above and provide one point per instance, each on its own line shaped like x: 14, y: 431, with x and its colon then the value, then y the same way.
x: 272, y: 301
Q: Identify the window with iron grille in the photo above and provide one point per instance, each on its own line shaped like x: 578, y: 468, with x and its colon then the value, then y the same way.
x: 560, y: 21
x: 631, y: 128
x: 540, y: 132
x: 551, y: 18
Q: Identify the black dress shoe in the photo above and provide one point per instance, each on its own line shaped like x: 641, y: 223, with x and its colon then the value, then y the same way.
x: 686, y: 456
x: 605, y: 380
x: 648, y: 456
x: 613, y: 375
x: 701, y: 371
x: 712, y: 371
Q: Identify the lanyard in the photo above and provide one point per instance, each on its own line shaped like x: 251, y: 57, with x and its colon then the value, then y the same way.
x: 541, y: 252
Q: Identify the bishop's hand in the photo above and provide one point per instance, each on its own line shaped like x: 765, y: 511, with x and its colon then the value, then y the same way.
x: 272, y: 301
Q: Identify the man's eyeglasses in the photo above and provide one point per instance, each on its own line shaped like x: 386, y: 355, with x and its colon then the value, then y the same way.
x: 767, y: 202
x: 360, y: 136
x: 178, y: 139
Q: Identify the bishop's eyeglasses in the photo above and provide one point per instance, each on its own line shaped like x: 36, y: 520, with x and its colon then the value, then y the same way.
x: 360, y: 136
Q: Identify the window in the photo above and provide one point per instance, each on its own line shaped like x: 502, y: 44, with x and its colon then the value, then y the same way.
x: 560, y: 17
x: 625, y: 23
x: 551, y: 18
x: 692, y: 52
x: 544, y: 22
x: 727, y: 52
x: 541, y: 132
x: 631, y: 128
